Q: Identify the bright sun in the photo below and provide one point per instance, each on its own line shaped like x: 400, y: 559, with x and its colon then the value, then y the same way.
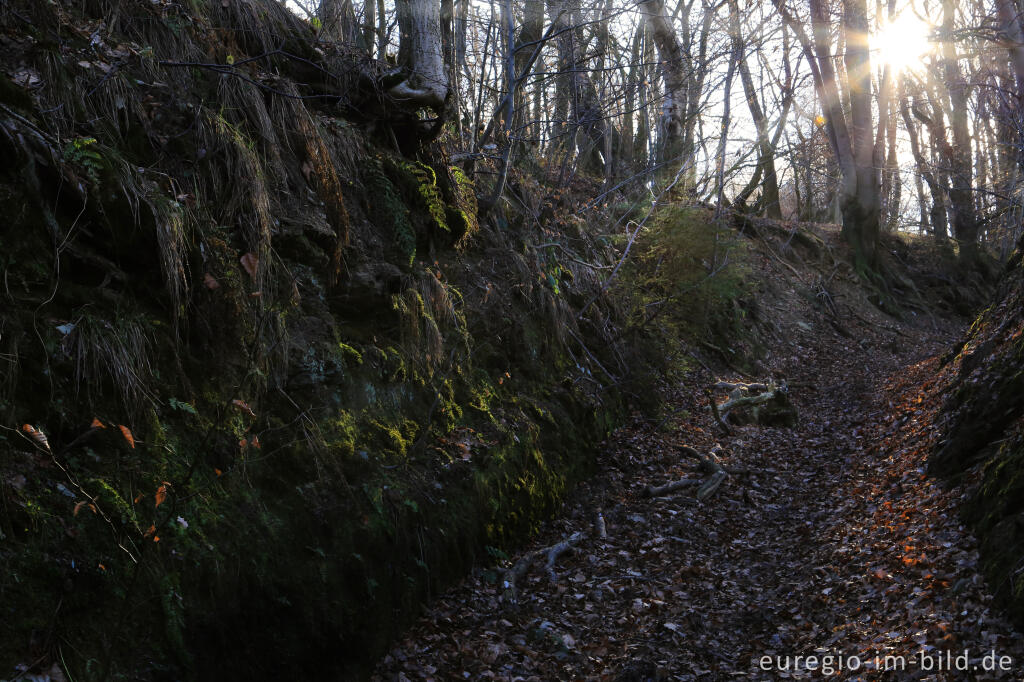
x: 901, y: 43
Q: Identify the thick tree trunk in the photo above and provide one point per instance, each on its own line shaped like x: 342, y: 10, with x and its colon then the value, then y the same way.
x: 1012, y: 27
x: 560, y: 17
x: 961, y: 198
x: 421, y: 51
x: 529, y: 35
x: 861, y: 203
x: 673, y: 67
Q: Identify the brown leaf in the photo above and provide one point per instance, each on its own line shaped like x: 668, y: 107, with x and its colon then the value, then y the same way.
x: 35, y: 434
x: 126, y: 432
x: 161, y: 495
x: 251, y: 263
x: 78, y: 508
x: 240, y: 404
x: 96, y: 424
x: 210, y: 283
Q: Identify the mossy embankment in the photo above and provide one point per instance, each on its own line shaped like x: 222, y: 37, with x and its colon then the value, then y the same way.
x: 983, y: 441
x: 290, y: 385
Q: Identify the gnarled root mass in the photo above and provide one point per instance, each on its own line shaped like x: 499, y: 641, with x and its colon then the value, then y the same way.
x: 766, y: 404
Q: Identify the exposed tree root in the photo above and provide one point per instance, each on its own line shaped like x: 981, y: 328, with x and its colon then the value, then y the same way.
x: 520, y: 568
x: 662, y: 490
x: 769, y: 406
x: 710, y: 464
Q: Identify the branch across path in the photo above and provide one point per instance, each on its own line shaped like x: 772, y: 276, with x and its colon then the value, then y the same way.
x: 833, y: 555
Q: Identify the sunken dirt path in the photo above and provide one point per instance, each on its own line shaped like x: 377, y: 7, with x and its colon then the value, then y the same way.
x: 835, y: 546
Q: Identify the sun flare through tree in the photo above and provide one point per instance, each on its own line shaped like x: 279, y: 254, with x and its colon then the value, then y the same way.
x: 903, y: 42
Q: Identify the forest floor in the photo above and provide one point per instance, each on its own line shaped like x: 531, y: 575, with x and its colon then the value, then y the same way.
x: 834, y: 546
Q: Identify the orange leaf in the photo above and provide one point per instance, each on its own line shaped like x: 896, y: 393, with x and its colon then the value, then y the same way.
x: 96, y: 424
x: 156, y: 538
x: 243, y: 406
x: 242, y: 443
x: 250, y: 262
x: 78, y: 508
x: 127, y: 435
x: 217, y: 471
x: 255, y: 442
x: 161, y: 495
x: 35, y: 434
x: 150, y: 530
x: 210, y: 282
x: 102, y: 567
x: 137, y: 498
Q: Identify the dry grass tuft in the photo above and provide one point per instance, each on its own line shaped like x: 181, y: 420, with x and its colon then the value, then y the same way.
x: 117, y: 351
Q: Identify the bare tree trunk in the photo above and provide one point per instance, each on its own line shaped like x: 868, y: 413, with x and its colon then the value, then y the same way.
x: 859, y: 191
x: 646, y: 94
x: 861, y: 206
x: 724, y: 129
x: 382, y: 31
x: 765, y: 149
x: 1012, y: 28
x: 965, y: 221
x: 894, y: 194
x: 697, y: 72
x: 627, y: 140
x: 369, y: 19
x: 421, y: 51
x: 338, y: 21
x: 560, y: 17
x: 938, y: 209
x: 529, y: 35
x: 606, y: 125
x: 673, y: 107
x: 922, y: 203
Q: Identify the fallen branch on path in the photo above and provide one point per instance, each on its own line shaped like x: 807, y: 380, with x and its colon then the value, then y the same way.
x: 711, y: 485
x: 520, y: 568
x: 730, y: 386
x: 557, y: 550
x: 710, y: 464
x: 662, y: 490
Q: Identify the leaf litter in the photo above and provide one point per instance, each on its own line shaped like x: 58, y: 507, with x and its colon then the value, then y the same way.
x: 829, y: 540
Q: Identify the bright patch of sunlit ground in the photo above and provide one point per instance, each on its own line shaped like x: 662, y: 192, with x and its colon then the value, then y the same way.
x: 902, y: 43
